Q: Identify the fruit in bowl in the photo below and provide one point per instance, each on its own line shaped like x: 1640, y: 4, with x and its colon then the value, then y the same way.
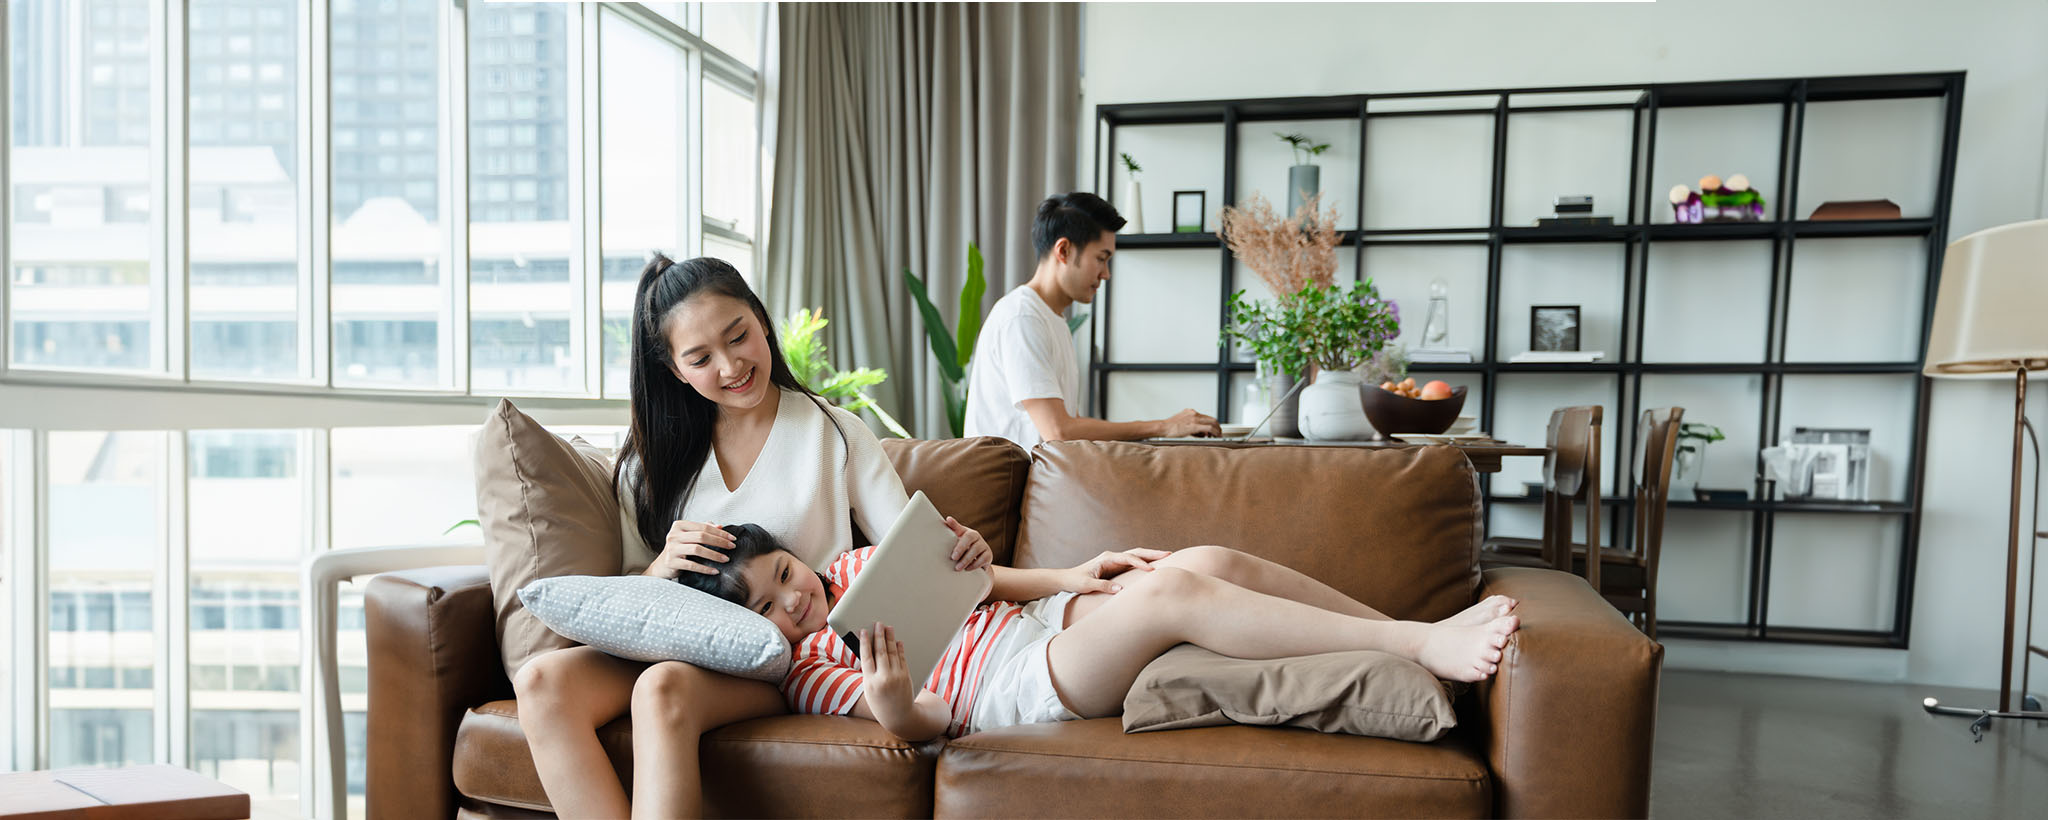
x: 1393, y: 412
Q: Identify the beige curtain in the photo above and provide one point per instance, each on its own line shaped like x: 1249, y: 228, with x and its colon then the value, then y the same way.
x: 904, y: 131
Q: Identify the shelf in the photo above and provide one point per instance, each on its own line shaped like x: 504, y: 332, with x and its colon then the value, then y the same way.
x: 1751, y: 505
x: 1707, y: 231
x: 1598, y: 233
x: 1167, y: 240
x: 1862, y: 227
x: 1563, y: 367
x: 1787, y: 634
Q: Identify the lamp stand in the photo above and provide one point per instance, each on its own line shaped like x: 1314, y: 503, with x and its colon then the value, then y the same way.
x: 2012, y: 576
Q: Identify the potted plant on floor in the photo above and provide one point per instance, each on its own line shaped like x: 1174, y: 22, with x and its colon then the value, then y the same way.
x: 1289, y: 255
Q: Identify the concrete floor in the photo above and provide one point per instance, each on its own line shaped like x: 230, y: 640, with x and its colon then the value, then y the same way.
x: 1761, y: 746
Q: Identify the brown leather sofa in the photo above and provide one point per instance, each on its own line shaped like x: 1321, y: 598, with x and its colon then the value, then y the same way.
x: 1564, y: 729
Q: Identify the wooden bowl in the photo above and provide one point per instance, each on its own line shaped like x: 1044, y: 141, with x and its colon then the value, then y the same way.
x: 1392, y: 414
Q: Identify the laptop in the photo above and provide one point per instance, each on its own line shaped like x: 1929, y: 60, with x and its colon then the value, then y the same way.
x: 1249, y: 432
x: 909, y: 584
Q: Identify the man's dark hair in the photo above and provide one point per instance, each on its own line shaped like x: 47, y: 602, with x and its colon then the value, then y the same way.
x: 1078, y: 217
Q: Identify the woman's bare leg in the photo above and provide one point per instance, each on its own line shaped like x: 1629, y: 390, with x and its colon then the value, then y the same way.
x: 674, y: 704
x: 564, y: 696
x: 1260, y: 575
x: 1098, y: 656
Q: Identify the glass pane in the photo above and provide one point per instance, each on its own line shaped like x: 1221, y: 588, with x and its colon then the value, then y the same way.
x: 82, y: 204
x: 735, y: 28
x: 244, y: 189
x: 642, y: 101
x: 247, y: 504
x: 11, y: 475
x: 400, y: 485
x: 107, y: 528
x: 390, y: 292
x: 729, y: 152
x: 522, y: 331
x: 739, y: 254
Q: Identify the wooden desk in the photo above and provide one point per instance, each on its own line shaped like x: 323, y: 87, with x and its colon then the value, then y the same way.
x: 165, y: 792
x: 1484, y: 457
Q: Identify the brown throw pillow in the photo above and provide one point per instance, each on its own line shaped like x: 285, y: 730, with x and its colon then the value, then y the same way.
x: 547, y: 508
x: 1360, y: 693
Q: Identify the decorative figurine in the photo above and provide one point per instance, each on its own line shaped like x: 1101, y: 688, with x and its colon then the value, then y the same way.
x: 1685, y: 206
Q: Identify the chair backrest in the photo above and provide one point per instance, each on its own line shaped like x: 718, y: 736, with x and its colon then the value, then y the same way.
x: 1572, y: 469
x: 1656, y: 449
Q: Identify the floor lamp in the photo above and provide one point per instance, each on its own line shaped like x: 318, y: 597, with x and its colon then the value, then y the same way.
x: 1991, y: 321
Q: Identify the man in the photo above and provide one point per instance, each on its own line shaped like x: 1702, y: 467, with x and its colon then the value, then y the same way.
x: 1026, y: 382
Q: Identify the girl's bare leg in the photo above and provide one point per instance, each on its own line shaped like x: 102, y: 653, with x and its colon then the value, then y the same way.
x: 564, y: 696
x: 674, y: 704
x: 1096, y: 659
x: 1260, y: 575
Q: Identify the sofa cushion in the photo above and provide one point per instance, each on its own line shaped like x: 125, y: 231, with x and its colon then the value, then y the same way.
x: 1397, y: 529
x: 976, y: 480
x: 783, y: 766
x: 1090, y: 768
x: 546, y: 508
x: 1372, y: 694
x: 643, y: 618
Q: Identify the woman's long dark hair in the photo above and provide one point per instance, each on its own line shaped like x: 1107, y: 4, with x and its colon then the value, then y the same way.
x: 670, y: 434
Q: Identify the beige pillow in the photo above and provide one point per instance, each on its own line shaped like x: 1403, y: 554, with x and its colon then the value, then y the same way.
x: 547, y: 508
x: 1359, y: 693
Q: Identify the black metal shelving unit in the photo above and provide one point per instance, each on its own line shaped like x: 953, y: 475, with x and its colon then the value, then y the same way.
x: 1634, y: 234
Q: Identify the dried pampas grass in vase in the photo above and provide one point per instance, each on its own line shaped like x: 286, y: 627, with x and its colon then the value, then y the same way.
x: 1288, y: 254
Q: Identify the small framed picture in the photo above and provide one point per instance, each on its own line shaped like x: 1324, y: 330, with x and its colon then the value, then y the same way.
x: 1188, y: 209
x: 1553, y: 327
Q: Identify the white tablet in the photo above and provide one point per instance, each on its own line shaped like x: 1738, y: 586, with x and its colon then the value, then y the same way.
x: 909, y: 584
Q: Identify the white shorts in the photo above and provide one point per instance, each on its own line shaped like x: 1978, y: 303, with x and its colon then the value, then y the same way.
x: 1016, y: 684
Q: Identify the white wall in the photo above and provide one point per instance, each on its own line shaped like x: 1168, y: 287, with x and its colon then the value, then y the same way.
x: 1162, y: 52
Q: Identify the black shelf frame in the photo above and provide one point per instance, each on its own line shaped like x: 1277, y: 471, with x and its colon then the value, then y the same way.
x: 1635, y: 233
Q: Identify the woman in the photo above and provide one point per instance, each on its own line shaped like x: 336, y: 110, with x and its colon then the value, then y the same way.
x: 721, y: 431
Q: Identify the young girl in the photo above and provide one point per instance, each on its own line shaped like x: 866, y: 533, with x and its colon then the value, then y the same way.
x: 721, y: 431
x: 1075, y: 648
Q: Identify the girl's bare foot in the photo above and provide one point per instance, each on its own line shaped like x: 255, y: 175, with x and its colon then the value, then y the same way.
x: 1493, y: 607
x: 1469, y: 653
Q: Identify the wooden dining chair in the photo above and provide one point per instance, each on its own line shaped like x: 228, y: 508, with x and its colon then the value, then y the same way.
x: 1628, y: 578
x: 1571, y: 471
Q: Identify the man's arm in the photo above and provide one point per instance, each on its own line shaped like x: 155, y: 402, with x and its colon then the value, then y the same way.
x: 1054, y: 424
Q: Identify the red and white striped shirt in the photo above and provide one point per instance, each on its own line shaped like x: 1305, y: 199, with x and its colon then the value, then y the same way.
x: 824, y: 676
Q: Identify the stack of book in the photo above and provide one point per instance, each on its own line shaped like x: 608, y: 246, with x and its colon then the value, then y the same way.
x: 1425, y: 355
x: 1574, y: 212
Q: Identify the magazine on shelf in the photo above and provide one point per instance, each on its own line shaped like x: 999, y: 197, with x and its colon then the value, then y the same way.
x: 1557, y: 356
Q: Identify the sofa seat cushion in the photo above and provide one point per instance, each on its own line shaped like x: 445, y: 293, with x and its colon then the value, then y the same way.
x: 1090, y: 768
x: 783, y: 766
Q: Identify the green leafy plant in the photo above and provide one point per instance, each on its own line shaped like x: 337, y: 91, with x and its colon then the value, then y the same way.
x: 953, y: 349
x: 1131, y: 165
x: 1331, y: 327
x: 804, y: 350
x: 1306, y: 149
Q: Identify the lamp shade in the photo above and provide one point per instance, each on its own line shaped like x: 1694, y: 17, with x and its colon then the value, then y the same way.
x: 1991, y: 315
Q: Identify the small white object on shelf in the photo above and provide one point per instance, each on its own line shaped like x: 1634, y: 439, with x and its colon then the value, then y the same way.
x: 1558, y: 356
x: 1425, y: 355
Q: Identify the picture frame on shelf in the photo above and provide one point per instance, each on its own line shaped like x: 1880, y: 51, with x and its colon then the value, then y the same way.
x: 1189, y: 210
x: 1553, y: 328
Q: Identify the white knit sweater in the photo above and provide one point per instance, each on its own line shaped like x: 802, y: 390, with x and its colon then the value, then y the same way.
x: 801, y: 488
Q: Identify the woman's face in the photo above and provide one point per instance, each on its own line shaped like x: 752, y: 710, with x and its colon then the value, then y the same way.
x: 717, y: 345
x: 786, y: 592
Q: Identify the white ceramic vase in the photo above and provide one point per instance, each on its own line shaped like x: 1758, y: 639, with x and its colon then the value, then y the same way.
x: 1132, y: 210
x: 1331, y: 409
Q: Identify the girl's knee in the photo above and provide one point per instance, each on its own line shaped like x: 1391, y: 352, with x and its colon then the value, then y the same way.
x: 1168, y: 585
x: 1208, y: 560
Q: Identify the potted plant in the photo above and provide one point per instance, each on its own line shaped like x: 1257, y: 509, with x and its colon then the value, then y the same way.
x: 955, y: 350
x: 804, y: 351
x: 1304, y: 179
x: 1133, y: 205
x: 1332, y: 328
x: 1288, y: 255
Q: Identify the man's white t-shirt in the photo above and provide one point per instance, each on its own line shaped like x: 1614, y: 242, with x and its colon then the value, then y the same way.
x: 1024, y: 352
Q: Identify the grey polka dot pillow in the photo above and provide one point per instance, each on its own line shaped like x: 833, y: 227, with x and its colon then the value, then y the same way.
x: 642, y: 618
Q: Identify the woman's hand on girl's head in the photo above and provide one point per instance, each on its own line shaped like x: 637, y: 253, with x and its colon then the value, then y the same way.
x: 970, y: 550
x: 1093, y: 574
x: 692, y: 546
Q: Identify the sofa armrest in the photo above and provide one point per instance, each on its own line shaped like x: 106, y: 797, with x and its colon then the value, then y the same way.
x: 433, y: 654
x: 1569, y: 719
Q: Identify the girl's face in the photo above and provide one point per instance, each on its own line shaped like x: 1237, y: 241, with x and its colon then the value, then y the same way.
x: 787, y: 592
x: 718, y: 347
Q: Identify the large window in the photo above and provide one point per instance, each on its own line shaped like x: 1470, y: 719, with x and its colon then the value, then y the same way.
x: 645, y: 103
x: 84, y: 291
